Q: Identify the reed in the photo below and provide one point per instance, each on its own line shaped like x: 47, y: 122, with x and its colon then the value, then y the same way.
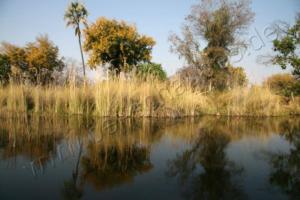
x: 254, y: 101
x: 137, y: 98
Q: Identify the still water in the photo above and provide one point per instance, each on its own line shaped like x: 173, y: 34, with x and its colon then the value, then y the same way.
x: 205, y: 158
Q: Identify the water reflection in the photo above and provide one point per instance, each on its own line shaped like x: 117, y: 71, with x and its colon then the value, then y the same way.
x: 204, y: 170
x: 285, y: 172
x: 21, y: 139
x: 95, y: 156
x: 72, y: 188
x: 108, y: 167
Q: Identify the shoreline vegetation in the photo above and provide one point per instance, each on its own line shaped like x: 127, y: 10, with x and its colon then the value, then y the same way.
x: 36, y: 80
x: 139, y: 98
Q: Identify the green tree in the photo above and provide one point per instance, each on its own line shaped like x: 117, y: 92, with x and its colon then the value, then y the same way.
x: 4, y: 69
x: 76, y: 14
x: 220, y: 23
x: 151, y: 69
x: 116, y: 43
x: 283, y: 84
x: 287, y: 49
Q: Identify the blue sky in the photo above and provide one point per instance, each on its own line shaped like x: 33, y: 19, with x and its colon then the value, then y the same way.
x: 21, y: 21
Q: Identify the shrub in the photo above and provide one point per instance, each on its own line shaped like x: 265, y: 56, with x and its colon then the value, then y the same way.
x: 229, y: 77
x: 283, y: 84
x: 151, y: 69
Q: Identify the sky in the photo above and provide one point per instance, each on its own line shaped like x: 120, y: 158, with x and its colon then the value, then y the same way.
x: 23, y: 20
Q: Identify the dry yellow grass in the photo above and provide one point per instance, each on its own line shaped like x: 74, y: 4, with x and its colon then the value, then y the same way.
x: 118, y: 98
x: 254, y: 101
x: 135, y: 98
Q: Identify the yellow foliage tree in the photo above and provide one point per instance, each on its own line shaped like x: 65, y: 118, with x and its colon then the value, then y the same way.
x: 117, y: 43
x: 35, y: 62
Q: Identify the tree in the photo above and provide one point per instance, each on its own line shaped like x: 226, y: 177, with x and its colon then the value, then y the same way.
x: 4, y: 69
x: 116, y: 43
x: 151, y: 69
x: 76, y: 14
x: 287, y: 49
x: 17, y: 60
x: 237, y: 77
x: 219, y: 23
x: 230, y: 77
x: 35, y: 62
x: 283, y: 84
x: 43, y: 59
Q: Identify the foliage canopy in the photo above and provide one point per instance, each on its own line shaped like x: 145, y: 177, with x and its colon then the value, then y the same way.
x: 283, y: 84
x: 116, y: 43
x: 34, y: 63
x: 287, y: 49
x: 151, y: 69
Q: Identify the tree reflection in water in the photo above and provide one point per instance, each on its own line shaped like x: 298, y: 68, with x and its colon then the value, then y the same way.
x: 109, y: 153
x: 285, y: 172
x: 113, y: 152
x: 122, y: 153
x: 108, y: 167
x: 72, y: 188
x: 204, y: 170
x: 17, y: 138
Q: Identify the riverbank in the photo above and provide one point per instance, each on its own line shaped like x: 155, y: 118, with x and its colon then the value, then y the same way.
x: 120, y: 98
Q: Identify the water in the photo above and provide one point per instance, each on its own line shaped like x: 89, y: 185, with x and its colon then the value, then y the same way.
x: 205, y: 158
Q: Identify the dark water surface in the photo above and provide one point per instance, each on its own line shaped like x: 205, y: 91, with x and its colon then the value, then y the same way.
x: 205, y: 158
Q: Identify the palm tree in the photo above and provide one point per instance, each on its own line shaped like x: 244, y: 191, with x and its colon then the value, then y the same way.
x: 76, y: 14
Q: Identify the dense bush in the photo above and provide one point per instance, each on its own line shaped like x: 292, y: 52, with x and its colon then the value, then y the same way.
x: 151, y: 69
x: 227, y: 78
x: 283, y: 84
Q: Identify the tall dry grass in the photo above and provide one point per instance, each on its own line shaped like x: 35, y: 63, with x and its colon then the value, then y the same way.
x: 254, y: 101
x: 117, y: 98
x: 136, y: 98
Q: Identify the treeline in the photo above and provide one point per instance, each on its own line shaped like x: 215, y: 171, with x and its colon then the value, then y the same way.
x: 113, y: 44
x: 36, y: 62
x: 212, y: 33
x: 118, y: 46
x: 39, y: 63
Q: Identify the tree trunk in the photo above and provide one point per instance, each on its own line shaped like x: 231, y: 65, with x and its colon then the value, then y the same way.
x: 82, y: 59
